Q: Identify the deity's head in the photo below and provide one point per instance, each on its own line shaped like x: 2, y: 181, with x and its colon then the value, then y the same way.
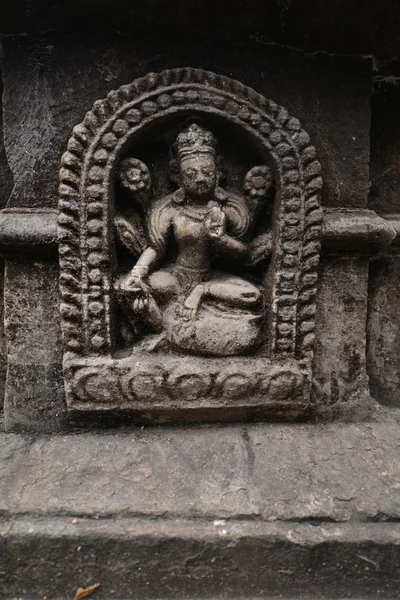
x: 195, y: 148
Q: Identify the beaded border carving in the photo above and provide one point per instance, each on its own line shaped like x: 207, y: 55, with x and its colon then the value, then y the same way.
x: 86, y: 199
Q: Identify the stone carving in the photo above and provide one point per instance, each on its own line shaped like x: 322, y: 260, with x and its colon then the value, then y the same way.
x: 153, y: 384
x: 202, y: 310
x: 189, y: 225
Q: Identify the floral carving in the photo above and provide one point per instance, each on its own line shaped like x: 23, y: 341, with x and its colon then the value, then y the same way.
x: 134, y: 175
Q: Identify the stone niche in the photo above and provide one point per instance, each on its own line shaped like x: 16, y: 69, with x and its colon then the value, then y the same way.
x: 189, y: 239
x: 213, y: 235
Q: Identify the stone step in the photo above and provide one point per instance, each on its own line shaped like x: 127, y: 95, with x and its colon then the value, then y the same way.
x: 164, y: 558
x: 239, y: 511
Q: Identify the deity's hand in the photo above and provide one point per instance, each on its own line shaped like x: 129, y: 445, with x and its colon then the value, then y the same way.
x: 192, y: 302
x: 134, y: 280
x: 260, y: 249
x: 216, y: 223
x: 133, y: 285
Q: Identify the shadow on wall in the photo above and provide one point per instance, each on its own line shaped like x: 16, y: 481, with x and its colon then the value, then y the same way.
x: 6, y: 185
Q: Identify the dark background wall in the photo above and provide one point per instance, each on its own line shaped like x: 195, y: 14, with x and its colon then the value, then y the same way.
x: 342, y: 26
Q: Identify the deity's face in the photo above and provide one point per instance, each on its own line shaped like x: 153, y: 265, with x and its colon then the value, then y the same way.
x: 198, y: 174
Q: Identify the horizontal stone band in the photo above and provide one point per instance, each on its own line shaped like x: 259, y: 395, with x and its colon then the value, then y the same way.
x: 357, y: 230
x: 24, y: 228
x: 343, y: 230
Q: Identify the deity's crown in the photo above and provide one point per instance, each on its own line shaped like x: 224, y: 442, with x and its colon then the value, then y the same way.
x: 195, y: 139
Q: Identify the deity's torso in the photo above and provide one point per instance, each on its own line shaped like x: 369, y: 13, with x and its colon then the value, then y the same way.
x: 186, y: 223
x: 191, y: 236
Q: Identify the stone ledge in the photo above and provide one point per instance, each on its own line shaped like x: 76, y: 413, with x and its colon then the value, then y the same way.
x: 139, y: 558
x: 394, y: 221
x: 159, y: 389
x: 34, y: 228
x: 357, y: 231
x: 343, y: 230
x: 338, y: 473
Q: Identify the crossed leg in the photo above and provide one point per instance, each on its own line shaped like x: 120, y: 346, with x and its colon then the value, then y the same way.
x: 230, y: 290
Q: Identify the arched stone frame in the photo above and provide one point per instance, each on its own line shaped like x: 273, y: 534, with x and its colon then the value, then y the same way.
x: 86, y: 205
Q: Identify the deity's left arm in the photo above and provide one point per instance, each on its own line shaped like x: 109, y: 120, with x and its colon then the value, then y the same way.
x: 226, y: 244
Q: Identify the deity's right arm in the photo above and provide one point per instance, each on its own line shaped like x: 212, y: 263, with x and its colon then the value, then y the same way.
x: 146, y: 262
x: 159, y: 225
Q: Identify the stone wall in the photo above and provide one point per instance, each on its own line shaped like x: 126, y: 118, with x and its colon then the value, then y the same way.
x: 199, y: 389
x: 50, y: 84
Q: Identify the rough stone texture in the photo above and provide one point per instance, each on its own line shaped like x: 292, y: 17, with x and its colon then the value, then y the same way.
x: 356, y: 231
x: 271, y: 472
x: 5, y: 189
x: 345, y: 230
x: 248, y: 510
x: 383, y: 351
x: 384, y: 328
x: 26, y: 230
x: 74, y: 72
x: 34, y: 394
x: 3, y: 349
x: 244, y: 511
x: 385, y: 144
x: 6, y: 181
x: 136, y: 558
x: 340, y: 377
x: 209, y: 308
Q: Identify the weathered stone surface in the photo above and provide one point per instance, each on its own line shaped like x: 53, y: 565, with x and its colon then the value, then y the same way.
x: 395, y: 223
x: 6, y: 184
x: 71, y: 75
x: 361, y: 28
x: 202, y: 248
x: 270, y: 472
x: 340, y: 377
x: 357, y: 231
x: 6, y: 181
x: 163, y: 558
x: 26, y: 230
x: 385, y: 144
x: 3, y: 349
x: 383, y: 351
x: 249, y: 510
x: 75, y: 71
x: 164, y: 389
x: 202, y: 512
x: 34, y: 394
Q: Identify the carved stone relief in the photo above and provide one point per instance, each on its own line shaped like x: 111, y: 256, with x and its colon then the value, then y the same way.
x: 189, y: 239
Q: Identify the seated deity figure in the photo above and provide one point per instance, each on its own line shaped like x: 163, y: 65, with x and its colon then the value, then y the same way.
x: 180, y: 292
